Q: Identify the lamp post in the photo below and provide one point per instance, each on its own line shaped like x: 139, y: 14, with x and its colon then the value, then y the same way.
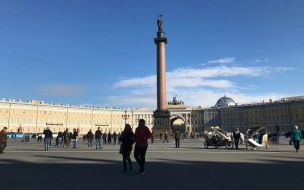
x: 125, y: 116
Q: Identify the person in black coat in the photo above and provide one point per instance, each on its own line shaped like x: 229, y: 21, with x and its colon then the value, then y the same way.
x: 127, y: 140
x: 90, y: 137
x: 236, y: 136
x: 114, y: 137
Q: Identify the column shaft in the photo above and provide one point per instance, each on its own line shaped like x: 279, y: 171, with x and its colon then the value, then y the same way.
x: 161, y: 76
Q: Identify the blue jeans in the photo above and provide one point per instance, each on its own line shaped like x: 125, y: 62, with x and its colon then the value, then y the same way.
x: 74, y: 143
x: 97, y: 142
x: 89, y: 142
x: 47, y: 143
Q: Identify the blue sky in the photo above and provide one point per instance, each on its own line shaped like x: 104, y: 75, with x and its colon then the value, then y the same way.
x: 102, y: 52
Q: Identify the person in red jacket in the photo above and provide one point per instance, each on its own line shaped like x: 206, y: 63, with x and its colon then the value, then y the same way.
x: 142, y: 134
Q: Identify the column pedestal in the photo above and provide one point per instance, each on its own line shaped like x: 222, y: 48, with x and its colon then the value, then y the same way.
x: 161, y: 123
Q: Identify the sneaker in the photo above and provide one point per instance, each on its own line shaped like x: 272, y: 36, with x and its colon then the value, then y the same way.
x: 142, y: 173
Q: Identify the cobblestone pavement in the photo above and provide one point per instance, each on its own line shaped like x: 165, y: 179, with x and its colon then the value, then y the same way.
x: 25, y: 165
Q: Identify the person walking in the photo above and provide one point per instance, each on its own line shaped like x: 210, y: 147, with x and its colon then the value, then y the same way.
x: 177, y: 138
x: 74, y: 138
x: 152, y: 138
x: 109, y: 138
x: 90, y: 138
x: 114, y: 137
x: 166, y: 137
x: 70, y: 138
x: 296, y: 136
x: 66, y: 138
x: 48, y: 135
x: 127, y: 140
x: 59, y: 139
x: 3, y: 140
x: 98, y: 137
x: 104, y: 136
x: 236, y: 137
x: 142, y: 134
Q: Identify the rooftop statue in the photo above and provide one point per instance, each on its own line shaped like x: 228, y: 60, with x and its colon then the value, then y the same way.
x: 160, y: 23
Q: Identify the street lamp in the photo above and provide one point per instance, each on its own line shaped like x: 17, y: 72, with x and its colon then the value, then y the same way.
x: 125, y: 116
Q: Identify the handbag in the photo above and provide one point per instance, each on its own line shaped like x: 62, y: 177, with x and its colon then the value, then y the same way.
x: 121, y: 149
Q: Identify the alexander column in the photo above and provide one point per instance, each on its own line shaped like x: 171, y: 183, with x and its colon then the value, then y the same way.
x: 161, y: 115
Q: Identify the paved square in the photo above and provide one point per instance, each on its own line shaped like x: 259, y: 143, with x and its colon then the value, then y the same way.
x: 25, y: 165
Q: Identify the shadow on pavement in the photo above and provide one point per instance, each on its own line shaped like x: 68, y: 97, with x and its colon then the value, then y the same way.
x: 160, y: 174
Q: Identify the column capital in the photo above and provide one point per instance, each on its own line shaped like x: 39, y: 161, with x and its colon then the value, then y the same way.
x: 160, y: 39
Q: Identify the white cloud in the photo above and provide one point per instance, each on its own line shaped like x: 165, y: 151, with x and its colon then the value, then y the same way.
x: 257, y: 60
x: 196, y: 86
x: 191, y: 97
x: 134, y: 99
x: 191, y: 77
x: 224, y: 60
x: 62, y: 89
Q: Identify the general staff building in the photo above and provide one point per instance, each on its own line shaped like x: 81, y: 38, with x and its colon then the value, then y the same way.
x: 33, y: 116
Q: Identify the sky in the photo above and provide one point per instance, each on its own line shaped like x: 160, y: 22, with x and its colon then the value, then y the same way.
x: 102, y: 52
